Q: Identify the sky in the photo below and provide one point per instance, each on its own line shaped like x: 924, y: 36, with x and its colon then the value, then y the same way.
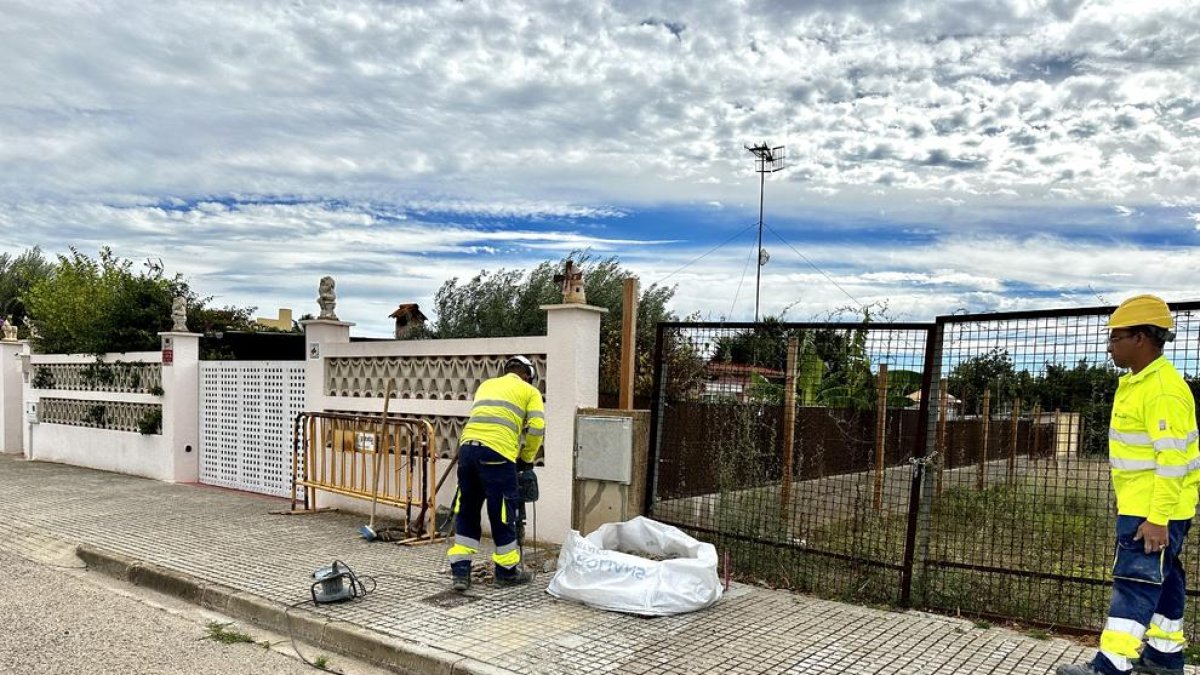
x: 941, y: 156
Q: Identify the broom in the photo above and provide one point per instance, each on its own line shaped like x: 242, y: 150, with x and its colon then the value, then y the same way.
x: 368, y: 531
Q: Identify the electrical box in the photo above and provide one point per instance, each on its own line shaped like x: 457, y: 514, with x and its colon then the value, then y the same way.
x: 604, y: 448
x: 31, y: 412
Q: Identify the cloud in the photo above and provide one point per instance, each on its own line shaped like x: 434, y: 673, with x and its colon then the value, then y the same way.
x: 273, y: 138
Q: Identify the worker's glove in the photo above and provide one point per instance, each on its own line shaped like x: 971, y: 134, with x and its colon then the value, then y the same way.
x: 522, y: 465
x: 527, y: 485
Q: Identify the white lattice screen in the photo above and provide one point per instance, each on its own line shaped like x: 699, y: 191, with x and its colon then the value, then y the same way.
x: 246, y: 414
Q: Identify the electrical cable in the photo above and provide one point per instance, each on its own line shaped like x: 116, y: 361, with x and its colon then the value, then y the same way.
x: 741, y: 281
x: 813, y: 265
x: 735, y: 234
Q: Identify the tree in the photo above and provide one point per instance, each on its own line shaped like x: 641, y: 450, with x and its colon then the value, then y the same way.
x: 506, y: 303
x: 94, y: 306
x: 993, y: 370
x: 17, y: 276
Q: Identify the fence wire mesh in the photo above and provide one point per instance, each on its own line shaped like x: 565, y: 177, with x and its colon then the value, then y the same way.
x: 1007, y: 415
x: 805, y: 480
x: 1021, y: 505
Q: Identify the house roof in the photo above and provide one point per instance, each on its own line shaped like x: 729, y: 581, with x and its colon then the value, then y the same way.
x: 408, y: 310
x: 950, y: 398
x: 718, y: 368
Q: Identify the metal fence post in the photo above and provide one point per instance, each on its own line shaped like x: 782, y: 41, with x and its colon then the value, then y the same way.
x: 921, y: 495
x: 657, y: 404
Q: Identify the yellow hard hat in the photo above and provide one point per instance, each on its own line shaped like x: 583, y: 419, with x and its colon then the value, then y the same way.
x: 1142, y: 310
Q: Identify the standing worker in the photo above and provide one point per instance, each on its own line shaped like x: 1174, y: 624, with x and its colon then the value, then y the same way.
x: 490, y: 453
x: 1155, y: 462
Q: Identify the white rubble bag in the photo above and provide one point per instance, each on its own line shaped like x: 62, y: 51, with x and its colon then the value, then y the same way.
x: 594, y: 569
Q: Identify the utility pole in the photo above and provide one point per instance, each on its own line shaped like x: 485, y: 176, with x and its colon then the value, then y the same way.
x: 767, y: 159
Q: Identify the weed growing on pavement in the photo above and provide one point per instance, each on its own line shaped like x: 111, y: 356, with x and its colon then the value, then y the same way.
x: 220, y: 632
x: 321, y: 662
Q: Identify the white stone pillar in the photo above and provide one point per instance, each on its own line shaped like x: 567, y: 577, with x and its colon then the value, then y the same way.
x: 181, y: 404
x: 572, y: 382
x: 12, y: 404
x: 317, y: 333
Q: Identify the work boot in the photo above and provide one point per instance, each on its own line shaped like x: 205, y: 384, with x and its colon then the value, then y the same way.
x: 519, y: 576
x: 461, y: 583
x: 1077, y: 669
x: 1144, y: 665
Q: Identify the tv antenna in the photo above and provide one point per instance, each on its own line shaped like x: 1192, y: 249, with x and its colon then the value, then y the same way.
x: 767, y: 160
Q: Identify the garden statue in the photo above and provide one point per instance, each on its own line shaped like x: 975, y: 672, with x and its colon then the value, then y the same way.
x: 29, y: 325
x: 326, y: 299
x: 10, y: 329
x: 571, y: 281
x: 179, y: 315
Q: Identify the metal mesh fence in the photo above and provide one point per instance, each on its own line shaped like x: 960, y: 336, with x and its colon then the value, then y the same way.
x: 791, y: 446
x: 804, y: 479
x: 1022, y: 511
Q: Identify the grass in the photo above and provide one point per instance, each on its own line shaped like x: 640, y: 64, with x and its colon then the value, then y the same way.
x: 220, y: 632
x: 321, y: 662
x: 1034, y: 527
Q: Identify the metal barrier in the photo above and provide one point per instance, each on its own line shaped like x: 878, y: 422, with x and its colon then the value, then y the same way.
x: 338, y: 453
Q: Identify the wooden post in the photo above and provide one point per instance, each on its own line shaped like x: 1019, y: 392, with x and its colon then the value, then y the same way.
x: 880, y: 432
x: 628, y: 343
x: 981, y: 476
x: 943, y: 414
x: 789, y: 428
x: 1055, y: 436
x: 1033, y: 429
x: 1012, y: 442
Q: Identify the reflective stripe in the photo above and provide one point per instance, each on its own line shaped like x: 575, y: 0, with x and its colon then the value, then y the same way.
x: 535, y: 432
x: 508, y: 560
x: 1125, y: 627
x: 1128, y: 438
x: 459, y: 553
x: 1121, y: 663
x: 457, y: 499
x: 460, y: 540
x: 510, y: 546
x: 516, y: 409
x: 1121, y: 641
x: 1174, y: 443
x: 1166, y: 625
x: 488, y: 419
x: 504, y: 511
x: 1165, y: 645
x: 536, y: 415
x: 1166, y: 635
x: 1173, y: 471
x: 1133, y: 464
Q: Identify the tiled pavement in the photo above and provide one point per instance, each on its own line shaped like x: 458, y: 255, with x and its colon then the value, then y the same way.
x: 229, y: 538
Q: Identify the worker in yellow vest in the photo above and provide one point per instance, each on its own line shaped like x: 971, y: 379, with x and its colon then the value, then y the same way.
x: 490, y: 454
x: 1155, y: 463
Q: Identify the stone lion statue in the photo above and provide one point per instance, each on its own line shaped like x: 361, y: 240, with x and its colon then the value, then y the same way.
x: 326, y: 299
x: 179, y: 315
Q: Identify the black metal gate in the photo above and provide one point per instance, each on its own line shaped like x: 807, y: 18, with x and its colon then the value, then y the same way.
x: 959, y: 465
x: 806, y: 480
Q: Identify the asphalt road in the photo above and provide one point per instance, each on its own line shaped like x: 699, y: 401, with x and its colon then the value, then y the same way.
x: 57, y: 618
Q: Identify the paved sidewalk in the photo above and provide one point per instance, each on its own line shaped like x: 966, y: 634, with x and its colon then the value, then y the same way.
x: 222, y: 548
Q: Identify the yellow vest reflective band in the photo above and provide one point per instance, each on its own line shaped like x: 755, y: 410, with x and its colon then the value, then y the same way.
x: 506, y: 408
x: 1152, y: 445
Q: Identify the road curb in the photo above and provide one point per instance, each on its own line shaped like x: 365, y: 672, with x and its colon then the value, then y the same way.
x: 334, y: 635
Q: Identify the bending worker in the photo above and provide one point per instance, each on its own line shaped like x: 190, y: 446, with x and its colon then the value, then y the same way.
x: 490, y: 454
x: 1155, y: 471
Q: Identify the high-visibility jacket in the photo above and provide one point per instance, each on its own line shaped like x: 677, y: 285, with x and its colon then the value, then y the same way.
x: 505, y: 408
x: 1152, y: 445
